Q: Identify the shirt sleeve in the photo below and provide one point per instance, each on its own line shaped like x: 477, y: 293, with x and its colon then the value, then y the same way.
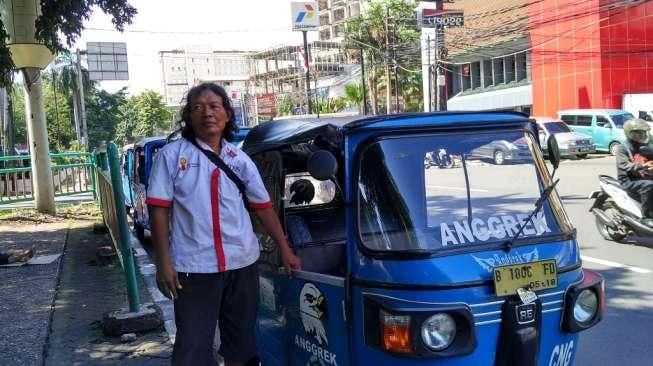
x: 254, y: 189
x: 160, y: 186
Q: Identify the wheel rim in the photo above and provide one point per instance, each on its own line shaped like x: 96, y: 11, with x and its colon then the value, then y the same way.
x: 498, y: 157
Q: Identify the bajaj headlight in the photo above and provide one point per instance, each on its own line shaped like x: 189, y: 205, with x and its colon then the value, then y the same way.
x: 439, y: 331
x: 586, y: 305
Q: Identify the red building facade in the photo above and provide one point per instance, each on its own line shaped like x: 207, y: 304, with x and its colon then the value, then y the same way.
x: 588, y: 54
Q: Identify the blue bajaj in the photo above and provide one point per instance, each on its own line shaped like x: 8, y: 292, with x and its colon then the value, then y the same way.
x: 403, y: 265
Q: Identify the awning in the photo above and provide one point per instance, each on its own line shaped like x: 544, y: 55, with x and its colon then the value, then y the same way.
x: 493, y: 100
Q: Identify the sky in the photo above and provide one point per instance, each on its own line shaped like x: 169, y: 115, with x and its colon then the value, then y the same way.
x: 172, y: 24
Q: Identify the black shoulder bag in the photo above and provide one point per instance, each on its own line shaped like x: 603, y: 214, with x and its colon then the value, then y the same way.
x: 215, y: 158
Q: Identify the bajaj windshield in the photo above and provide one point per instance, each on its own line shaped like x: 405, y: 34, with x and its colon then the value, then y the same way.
x: 440, y: 192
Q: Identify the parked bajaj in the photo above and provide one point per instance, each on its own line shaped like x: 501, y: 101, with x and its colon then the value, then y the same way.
x: 403, y: 265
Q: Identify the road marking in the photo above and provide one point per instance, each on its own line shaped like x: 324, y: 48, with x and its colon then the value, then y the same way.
x: 457, y: 188
x: 615, y: 264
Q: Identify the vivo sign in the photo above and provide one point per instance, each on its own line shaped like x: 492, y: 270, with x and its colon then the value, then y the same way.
x: 432, y: 18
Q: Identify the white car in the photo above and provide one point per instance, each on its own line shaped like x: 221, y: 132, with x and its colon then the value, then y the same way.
x: 570, y: 143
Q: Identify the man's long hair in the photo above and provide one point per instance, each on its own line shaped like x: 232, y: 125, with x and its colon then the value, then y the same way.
x: 230, y: 127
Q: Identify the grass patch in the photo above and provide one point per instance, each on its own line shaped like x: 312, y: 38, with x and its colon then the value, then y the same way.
x: 82, y: 211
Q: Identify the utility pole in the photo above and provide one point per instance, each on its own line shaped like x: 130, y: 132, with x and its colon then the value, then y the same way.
x: 82, y: 107
x: 38, y: 141
x: 440, y: 81
x: 429, y: 76
x: 308, y: 75
x: 388, y: 82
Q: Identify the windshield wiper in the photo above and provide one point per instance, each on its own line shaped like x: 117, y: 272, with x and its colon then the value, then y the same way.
x: 538, y: 206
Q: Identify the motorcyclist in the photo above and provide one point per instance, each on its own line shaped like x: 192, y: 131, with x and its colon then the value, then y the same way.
x: 631, y: 173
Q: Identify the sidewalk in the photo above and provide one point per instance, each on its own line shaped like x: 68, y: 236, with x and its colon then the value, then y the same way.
x: 50, y: 313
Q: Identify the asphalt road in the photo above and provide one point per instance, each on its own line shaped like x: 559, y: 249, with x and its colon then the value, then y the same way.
x: 624, y: 335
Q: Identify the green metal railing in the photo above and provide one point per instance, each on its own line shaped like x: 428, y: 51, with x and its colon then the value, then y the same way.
x: 112, y: 204
x: 72, y: 173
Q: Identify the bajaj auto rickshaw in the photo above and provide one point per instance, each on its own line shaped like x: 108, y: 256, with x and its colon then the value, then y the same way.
x: 402, y: 265
x: 144, y: 152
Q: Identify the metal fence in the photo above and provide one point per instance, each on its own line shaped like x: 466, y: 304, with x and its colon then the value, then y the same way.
x: 109, y: 191
x: 72, y: 173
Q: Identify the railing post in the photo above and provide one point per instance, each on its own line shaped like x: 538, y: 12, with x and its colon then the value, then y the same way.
x: 91, y: 159
x: 125, y: 239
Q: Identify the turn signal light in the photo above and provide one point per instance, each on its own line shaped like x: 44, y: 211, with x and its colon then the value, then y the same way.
x: 395, y: 332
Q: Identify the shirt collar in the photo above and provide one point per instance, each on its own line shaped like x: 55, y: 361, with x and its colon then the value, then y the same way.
x: 227, y: 148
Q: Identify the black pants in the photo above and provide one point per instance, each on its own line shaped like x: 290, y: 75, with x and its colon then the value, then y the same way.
x: 229, y: 299
x: 642, y: 191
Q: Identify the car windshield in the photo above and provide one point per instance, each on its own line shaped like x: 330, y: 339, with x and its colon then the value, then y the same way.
x: 439, y: 192
x: 556, y: 127
x: 620, y: 119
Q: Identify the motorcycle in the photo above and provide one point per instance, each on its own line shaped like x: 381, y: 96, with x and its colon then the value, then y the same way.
x: 441, y: 159
x: 617, y: 214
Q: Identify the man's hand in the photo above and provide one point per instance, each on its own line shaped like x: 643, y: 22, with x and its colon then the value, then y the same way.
x: 168, y: 281
x: 291, y: 262
x: 648, y: 165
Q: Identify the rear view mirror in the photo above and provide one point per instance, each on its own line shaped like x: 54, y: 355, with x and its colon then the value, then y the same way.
x: 322, y: 165
x: 553, y: 151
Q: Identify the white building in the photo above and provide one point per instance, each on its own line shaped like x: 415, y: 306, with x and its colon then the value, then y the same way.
x: 334, y: 14
x: 181, y: 69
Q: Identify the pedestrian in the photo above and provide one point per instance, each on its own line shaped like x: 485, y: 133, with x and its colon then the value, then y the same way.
x: 16, y: 255
x: 200, y: 190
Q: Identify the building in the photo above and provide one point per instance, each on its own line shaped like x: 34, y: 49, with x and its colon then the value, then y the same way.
x: 333, y: 15
x: 181, y: 69
x: 539, y: 57
x: 279, y: 75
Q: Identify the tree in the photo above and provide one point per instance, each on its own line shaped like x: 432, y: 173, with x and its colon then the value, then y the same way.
x: 103, y: 114
x: 354, y: 95
x: 384, y: 44
x: 65, y: 18
x: 58, y: 116
x: 142, y: 115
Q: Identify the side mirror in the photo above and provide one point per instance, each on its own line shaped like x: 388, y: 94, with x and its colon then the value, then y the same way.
x: 553, y: 151
x: 322, y: 165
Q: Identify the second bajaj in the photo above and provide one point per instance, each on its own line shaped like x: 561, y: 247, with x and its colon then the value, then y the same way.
x: 404, y: 265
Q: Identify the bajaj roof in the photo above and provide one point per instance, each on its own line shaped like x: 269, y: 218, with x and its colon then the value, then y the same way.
x: 272, y: 134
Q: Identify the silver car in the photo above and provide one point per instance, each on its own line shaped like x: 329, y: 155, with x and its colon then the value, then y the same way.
x: 571, y: 144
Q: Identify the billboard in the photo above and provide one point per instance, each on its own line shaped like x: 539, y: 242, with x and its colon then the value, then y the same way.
x: 107, y: 60
x: 432, y: 18
x: 304, y: 16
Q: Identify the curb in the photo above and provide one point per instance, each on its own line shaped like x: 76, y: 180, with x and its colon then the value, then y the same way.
x: 148, y: 271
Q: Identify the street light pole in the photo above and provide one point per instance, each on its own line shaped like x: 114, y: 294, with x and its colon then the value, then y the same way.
x: 308, y: 75
x: 82, y: 106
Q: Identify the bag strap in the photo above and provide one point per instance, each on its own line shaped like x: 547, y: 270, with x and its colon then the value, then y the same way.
x: 215, y: 158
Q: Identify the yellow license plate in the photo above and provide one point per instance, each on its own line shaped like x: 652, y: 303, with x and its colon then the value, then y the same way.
x: 534, y: 276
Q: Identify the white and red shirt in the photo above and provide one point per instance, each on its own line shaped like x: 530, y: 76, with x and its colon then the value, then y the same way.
x: 210, y: 229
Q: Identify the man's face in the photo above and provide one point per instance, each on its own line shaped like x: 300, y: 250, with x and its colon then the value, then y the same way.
x: 208, y: 115
x: 639, y: 136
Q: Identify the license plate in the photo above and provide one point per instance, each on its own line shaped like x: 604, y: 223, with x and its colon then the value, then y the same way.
x: 534, y: 275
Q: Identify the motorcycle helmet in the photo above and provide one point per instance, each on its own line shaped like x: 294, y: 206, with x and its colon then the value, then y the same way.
x: 637, y: 129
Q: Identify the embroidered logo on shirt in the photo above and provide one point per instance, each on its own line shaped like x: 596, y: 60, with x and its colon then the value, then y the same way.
x: 232, y: 153
x: 182, y: 163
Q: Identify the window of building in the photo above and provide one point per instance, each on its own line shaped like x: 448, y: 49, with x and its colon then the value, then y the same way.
x: 337, y: 30
x: 510, y: 68
x: 354, y: 10
x: 323, y: 4
x: 339, y: 15
x: 522, y: 66
x: 324, y: 19
x: 475, y: 76
x: 497, y: 65
x: 466, y: 80
x: 487, y: 73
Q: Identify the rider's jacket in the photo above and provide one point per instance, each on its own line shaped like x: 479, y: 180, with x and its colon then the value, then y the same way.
x: 627, y: 170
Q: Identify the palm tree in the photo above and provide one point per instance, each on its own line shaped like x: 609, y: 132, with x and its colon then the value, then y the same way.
x: 354, y: 95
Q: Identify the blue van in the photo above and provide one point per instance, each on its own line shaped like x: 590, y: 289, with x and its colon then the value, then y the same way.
x: 403, y: 265
x: 604, y: 126
x: 127, y: 166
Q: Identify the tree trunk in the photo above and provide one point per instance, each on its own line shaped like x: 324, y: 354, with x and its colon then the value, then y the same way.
x: 374, y: 96
x: 38, y: 142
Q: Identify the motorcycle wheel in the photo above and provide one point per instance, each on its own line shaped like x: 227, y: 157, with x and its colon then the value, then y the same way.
x: 608, y: 233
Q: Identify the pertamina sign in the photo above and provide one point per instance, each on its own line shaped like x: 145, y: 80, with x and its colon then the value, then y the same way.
x: 305, y: 16
x: 432, y: 18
